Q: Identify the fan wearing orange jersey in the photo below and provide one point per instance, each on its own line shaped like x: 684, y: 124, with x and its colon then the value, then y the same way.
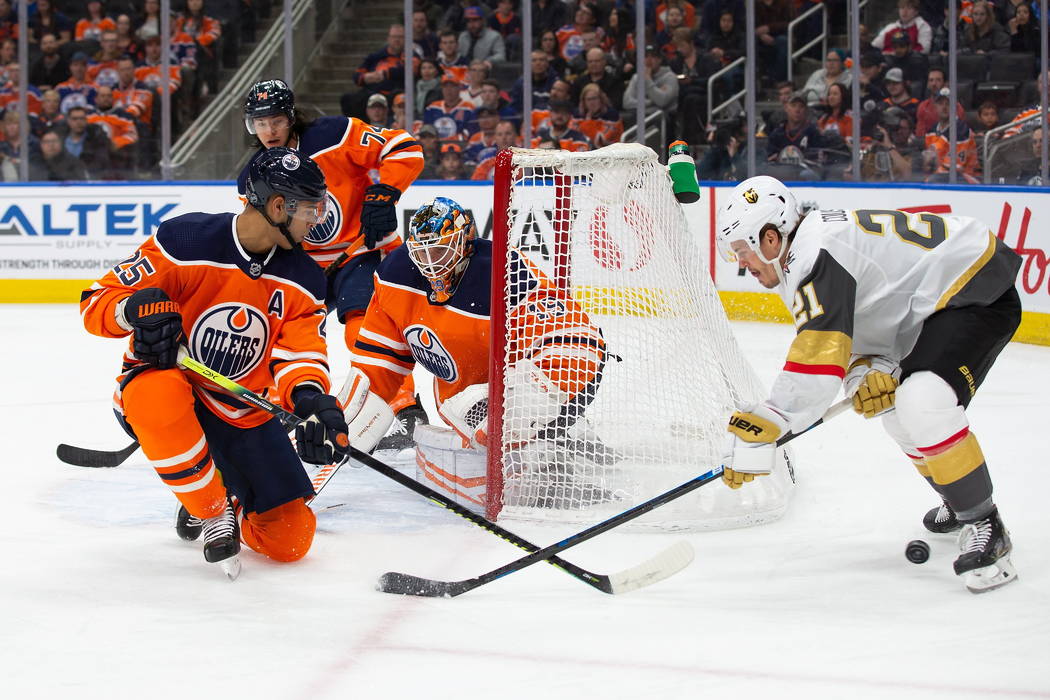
x: 366, y: 168
x: 431, y: 307
x: 240, y: 295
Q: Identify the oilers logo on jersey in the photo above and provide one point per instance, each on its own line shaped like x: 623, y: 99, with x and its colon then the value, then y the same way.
x: 326, y: 231
x: 429, y: 352
x: 230, y: 338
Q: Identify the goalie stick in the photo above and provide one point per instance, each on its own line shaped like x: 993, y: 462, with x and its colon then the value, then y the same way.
x: 655, y: 569
x: 407, y: 584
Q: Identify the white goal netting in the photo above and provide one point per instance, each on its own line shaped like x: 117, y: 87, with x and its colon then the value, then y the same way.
x: 608, y: 235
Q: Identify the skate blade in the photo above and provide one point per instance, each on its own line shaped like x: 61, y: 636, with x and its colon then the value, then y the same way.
x: 989, y: 578
x: 231, y: 567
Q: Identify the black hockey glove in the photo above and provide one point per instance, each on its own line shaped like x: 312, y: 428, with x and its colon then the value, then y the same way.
x: 157, y: 324
x: 378, y: 213
x: 321, y: 438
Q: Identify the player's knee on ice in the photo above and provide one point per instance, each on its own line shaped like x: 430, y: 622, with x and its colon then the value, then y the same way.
x: 284, y: 533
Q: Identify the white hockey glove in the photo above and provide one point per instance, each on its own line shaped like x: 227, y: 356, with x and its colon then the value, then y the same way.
x: 751, y: 447
x: 468, y: 413
x: 871, y: 382
x: 368, y: 416
x: 531, y: 402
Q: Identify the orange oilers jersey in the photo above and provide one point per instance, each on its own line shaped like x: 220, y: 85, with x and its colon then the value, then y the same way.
x: 256, y: 319
x: 451, y: 340
x: 103, y: 73
x: 151, y: 76
x: 118, y: 125
x: 136, y: 99
x: 347, y: 150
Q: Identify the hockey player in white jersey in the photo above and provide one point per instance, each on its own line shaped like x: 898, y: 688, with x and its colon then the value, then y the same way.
x: 907, y: 312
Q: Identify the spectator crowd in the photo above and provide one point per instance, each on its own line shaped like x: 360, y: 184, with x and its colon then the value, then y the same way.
x: 95, y: 71
x: 469, y: 93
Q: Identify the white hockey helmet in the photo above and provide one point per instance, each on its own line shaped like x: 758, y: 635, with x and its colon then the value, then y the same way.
x: 754, y: 203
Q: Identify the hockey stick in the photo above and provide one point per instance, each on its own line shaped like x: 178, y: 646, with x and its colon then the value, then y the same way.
x: 650, y: 571
x: 321, y: 478
x: 407, y: 584
x: 659, y: 567
x: 85, y: 457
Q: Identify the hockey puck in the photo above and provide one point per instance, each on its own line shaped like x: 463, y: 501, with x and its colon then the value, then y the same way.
x: 917, y: 552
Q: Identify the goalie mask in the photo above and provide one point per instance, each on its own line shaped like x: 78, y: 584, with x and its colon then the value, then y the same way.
x: 439, y: 244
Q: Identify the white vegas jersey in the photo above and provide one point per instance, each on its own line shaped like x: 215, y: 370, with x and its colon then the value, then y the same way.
x: 864, y: 281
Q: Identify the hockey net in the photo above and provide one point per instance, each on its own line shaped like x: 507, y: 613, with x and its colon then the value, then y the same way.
x: 605, y: 227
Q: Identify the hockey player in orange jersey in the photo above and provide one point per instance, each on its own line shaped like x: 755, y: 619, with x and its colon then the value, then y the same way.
x: 367, y: 168
x: 431, y: 306
x: 239, y: 293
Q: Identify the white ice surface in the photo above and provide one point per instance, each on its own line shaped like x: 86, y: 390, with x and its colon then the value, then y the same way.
x: 100, y: 599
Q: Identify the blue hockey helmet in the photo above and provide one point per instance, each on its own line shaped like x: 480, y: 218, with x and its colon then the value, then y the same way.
x: 291, y: 174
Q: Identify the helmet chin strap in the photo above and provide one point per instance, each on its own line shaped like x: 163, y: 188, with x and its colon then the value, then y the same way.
x: 283, y: 228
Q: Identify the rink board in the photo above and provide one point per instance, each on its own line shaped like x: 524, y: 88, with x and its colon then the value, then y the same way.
x: 56, y: 239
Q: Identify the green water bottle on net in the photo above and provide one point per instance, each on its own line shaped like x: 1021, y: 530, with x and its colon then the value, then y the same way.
x: 683, y: 173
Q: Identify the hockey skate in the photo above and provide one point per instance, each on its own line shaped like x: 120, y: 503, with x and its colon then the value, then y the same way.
x: 187, y: 527
x: 222, y: 541
x: 403, y: 428
x: 985, y: 557
x: 941, y: 520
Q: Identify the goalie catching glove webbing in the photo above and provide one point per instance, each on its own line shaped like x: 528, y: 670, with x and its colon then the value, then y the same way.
x: 872, y: 384
x: 751, y: 448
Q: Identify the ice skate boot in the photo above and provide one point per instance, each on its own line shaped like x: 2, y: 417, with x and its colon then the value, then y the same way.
x: 941, y: 519
x: 985, y: 557
x: 403, y: 428
x: 187, y: 526
x: 222, y: 541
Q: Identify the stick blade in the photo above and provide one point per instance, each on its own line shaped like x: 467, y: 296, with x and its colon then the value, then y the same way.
x: 407, y: 584
x: 83, y: 457
x: 665, y: 564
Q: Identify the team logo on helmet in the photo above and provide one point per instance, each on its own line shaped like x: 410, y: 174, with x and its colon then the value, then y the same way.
x: 290, y: 161
x: 326, y: 231
x: 231, y: 338
x: 750, y: 196
x: 429, y: 352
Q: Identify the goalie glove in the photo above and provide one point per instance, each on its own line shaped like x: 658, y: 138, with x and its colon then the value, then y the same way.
x: 468, y: 413
x: 871, y: 382
x: 751, y: 447
x: 367, y: 415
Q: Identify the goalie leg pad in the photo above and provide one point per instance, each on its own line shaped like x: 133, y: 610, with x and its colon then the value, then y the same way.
x: 458, y: 472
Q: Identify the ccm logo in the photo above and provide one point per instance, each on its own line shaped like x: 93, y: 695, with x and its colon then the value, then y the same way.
x: 745, y: 425
x: 377, y: 198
